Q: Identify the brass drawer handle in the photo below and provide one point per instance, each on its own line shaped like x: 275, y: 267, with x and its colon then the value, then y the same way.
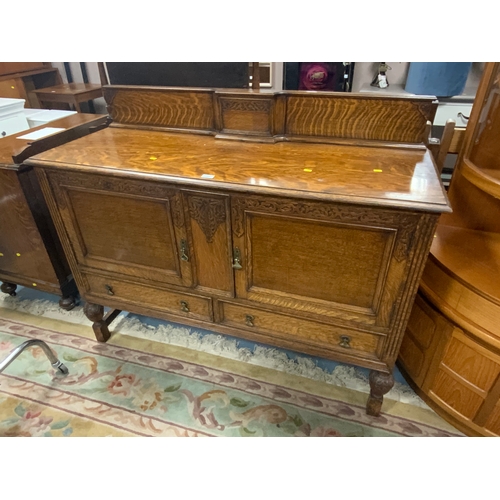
x: 237, y: 259
x: 184, y: 306
x: 345, y: 341
x: 184, y: 254
x: 109, y: 289
x: 249, y: 320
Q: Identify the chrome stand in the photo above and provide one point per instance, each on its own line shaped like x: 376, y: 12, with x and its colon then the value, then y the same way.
x: 56, y: 364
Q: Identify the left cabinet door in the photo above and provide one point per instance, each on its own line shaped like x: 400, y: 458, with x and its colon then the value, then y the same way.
x: 128, y: 227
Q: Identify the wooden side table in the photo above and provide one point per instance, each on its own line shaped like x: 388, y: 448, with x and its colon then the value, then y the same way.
x: 69, y: 93
x: 21, y: 85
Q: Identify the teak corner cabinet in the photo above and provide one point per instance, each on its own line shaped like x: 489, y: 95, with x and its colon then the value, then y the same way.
x: 451, y: 350
x: 296, y: 219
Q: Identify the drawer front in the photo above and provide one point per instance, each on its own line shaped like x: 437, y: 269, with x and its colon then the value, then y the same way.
x: 303, y: 331
x: 123, y: 292
x: 458, y: 112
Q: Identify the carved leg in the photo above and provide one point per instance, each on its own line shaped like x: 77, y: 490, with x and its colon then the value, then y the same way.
x: 67, y: 302
x: 380, y: 384
x: 95, y: 313
x: 9, y: 288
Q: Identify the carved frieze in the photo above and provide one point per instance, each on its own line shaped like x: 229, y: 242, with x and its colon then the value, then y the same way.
x: 118, y: 185
x: 405, y: 225
x: 176, y: 205
x: 209, y: 213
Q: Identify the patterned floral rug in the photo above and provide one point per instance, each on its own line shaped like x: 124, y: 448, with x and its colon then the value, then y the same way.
x: 138, y: 387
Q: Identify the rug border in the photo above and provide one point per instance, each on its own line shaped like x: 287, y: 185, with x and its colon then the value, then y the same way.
x: 287, y: 380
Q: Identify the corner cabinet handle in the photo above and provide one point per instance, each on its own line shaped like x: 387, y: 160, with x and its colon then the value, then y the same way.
x: 109, y: 289
x: 249, y: 320
x: 237, y: 259
x: 184, y: 255
x: 184, y: 306
x: 345, y: 341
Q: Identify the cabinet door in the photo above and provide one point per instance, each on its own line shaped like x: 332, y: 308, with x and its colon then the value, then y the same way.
x: 124, y: 226
x: 348, y: 263
x: 209, y: 229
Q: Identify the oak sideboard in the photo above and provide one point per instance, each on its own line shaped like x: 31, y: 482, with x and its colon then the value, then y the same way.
x: 295, y: 219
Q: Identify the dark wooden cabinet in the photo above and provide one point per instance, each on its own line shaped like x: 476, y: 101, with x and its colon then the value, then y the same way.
x: 315, y: 243
x: 30, y: 250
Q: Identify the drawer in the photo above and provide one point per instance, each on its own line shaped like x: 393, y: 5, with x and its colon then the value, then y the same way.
x: 123, y: 292
x: 13, y: 125
x: 301, y: 330
x: 454, y: 111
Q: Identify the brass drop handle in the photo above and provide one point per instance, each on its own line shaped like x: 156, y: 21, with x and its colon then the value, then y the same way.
x: 237, y: 259
x: 345, y: 341
x: 184, y: 254
x: 184, y: 306
x: 249, y: 320
x: 109, y: 289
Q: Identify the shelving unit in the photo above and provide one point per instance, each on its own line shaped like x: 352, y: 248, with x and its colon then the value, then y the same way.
x: 451, y: 350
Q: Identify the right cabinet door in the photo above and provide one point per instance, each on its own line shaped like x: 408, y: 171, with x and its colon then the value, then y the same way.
x: 343, y: 262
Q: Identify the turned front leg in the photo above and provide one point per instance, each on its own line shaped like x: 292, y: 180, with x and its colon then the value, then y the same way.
x: 95, y: 313
x: 9, y: 288
x: 380, y: 384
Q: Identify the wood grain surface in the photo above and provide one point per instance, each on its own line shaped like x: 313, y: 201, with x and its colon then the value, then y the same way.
x: 458, y: 369
x: 308, y: 332
x: 11, y: 146
x: 177, y: 109
x: 266, y: 113
x: 22, y: 250
x: 378, y: 176
x: 313, y: 247
x: 360, y: 118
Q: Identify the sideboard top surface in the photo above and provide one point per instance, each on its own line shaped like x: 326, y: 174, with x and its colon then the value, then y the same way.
x: 359, y: 174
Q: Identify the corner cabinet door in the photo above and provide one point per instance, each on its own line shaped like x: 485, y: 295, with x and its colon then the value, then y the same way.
x: 346, y: 263
x: 130, y: 227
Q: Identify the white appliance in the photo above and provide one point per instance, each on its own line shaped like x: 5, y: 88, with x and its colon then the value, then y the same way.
x: 12, y: 118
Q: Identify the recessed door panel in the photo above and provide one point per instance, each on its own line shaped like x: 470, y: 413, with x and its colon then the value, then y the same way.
x: 331, y: 262
x: 343, y: 262
x: 124, y: 226
x: 137, y: 231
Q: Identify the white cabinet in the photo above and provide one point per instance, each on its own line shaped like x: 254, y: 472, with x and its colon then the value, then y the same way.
x: 12, y: 119
x: 456, y: 111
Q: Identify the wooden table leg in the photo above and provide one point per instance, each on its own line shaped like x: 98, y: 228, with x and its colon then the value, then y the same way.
x: 380, y: 384
x: 95, y: 313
